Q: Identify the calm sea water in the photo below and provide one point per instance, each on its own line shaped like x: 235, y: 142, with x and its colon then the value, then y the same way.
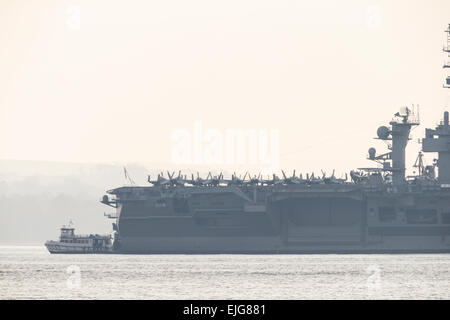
x: 32, y: 273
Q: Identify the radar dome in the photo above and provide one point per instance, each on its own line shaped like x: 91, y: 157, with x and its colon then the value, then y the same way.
x: 383, y: 132
x: 372, y: 153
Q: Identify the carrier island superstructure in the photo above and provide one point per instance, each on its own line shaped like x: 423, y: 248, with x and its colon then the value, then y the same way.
x: 377, y: 209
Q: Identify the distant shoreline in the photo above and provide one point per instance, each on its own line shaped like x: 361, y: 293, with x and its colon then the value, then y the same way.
x: 3, y: 245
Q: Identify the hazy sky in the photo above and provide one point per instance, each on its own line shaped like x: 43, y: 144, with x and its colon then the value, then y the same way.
x: 102, y: 81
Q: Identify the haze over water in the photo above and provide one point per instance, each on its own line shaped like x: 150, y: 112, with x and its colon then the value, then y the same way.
x: 32, y: 273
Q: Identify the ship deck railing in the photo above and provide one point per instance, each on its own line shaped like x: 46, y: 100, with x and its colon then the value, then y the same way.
x: 87, y: 236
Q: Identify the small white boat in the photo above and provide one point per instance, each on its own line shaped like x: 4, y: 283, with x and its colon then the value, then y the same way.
x: 69, y: 242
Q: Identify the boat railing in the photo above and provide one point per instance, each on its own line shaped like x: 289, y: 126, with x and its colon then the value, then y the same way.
x: 87, y: 236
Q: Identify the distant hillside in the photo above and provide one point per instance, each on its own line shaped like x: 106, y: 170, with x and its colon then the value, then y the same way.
x: 37, y: 197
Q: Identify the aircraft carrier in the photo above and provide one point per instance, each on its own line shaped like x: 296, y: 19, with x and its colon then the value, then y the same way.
x: 372, y: 210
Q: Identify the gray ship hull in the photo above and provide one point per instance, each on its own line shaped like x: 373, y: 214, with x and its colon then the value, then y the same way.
x: 273, y: 245
x: 295, y: 219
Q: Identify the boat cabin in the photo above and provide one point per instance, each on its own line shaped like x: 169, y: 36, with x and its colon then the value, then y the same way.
x: 67, y: 232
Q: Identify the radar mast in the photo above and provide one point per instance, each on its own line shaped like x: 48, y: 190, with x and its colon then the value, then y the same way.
x: 398, y: 135
x: 447, y: 63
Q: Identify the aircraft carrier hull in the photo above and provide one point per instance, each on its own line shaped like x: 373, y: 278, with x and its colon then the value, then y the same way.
x: 273, y: 245
x: 293, y: 219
